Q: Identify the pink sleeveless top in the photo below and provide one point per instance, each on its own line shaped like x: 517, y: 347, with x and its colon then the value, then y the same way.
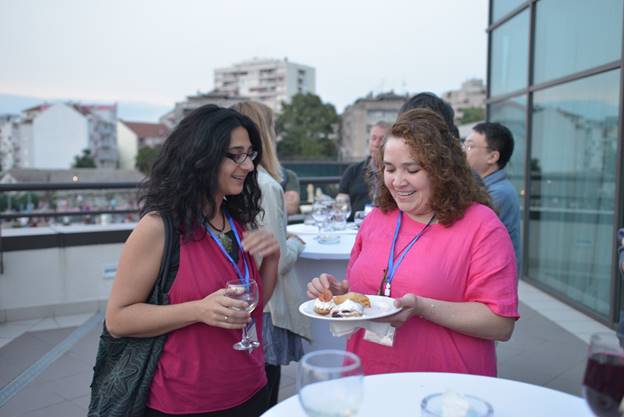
x: 199, y: 371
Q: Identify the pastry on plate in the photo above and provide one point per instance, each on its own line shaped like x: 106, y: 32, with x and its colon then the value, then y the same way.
x: 353, y: 296
x: 351, y: 304
x: 324, y: 303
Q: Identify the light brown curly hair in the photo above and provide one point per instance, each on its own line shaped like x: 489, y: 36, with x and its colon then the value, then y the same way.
x: 453, y: 184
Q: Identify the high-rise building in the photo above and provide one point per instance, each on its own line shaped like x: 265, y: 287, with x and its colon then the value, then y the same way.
x: 555, y: 79
x: 359, y: 118
x: 269, y: 81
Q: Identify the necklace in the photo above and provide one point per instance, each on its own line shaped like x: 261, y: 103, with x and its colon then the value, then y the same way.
x: 221, y: 235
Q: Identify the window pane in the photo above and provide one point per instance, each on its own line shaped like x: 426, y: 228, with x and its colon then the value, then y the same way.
x: 509, y: 55
x: 512, y: 114
x: 573, y: 159
x: 575, y: 35
x: 501, y: 7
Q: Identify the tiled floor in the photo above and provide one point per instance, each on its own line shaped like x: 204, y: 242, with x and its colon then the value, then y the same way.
x: 540, y: 352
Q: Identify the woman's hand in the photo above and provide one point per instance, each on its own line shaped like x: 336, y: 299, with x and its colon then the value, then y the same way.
x: 261, y: 243
x: 318, y: 285
x: 219, y: 310
x: 408, y: 303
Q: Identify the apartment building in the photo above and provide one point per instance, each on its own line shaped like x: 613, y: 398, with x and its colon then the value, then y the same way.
x: 359, y: 118
x: 269, y: 81
x: 471, y: 94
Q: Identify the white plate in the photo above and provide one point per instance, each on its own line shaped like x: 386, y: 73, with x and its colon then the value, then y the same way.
x: 380, y: 307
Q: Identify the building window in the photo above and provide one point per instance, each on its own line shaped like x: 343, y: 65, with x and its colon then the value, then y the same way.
x: 575, y: 35
x: 509, y: 55
x: 512, y: 114
x: 501, y: 7
x: 572, y: 195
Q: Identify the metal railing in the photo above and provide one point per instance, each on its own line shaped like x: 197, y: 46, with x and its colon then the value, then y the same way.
x: 81, y: 186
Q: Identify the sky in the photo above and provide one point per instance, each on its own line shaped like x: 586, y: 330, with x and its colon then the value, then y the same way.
x: 159, y: 51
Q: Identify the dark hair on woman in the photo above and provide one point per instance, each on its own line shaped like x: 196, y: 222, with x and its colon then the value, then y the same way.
x: 432, y: 145
x: 184, y: 178
x: 426, y: 100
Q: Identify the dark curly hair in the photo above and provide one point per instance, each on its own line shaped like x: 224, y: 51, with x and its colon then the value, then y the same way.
x: 184, y: 178
x: 435, y: 149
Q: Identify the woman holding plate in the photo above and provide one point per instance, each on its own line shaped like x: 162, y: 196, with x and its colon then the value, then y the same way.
x: 435, y: 245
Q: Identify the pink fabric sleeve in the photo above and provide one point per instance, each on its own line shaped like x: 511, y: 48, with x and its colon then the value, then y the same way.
x: 492, y: 274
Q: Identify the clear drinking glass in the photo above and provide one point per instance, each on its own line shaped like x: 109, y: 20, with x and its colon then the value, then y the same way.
x: 248, y: 292
x: 603, y: 383
x: 330, y: 383
x: 320, y: 214
x: 358, y: 218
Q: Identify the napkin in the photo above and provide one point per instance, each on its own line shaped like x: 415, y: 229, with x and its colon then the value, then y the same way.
x: 346, y: 328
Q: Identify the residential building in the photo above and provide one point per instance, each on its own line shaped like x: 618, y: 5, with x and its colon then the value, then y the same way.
x: 359, y: 118
x: 471, y: 94
x: 51, y: 135
x: 183, y: 108
x: 555, y: 79
x: 132, y: 136
x: 269, y: 81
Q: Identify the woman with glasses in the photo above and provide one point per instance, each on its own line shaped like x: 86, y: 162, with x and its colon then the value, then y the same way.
x: 205, y: 180
x: 435, y: 245
x: 284, y: 327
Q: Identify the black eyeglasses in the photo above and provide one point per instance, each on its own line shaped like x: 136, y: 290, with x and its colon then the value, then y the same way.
x: 240, y: 158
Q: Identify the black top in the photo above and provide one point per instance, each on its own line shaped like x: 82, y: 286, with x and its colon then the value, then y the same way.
x: 355, y: 182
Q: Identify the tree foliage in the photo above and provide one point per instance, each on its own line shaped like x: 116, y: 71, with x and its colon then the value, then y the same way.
x: 472, y: 115
x: 145, y: 158
x: 84, y: 161
x: 308, y: 128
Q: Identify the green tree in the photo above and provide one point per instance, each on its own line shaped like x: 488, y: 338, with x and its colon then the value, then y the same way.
x: 84, y: 161
x: 472, y: 114
x: 145, y: 158
x: 307, y: 127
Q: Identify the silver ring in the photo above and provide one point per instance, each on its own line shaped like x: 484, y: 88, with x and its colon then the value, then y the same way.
x: 226, y: 318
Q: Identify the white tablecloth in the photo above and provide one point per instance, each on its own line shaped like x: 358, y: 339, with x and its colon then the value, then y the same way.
x: 315, y: 259
x: 400, y: 395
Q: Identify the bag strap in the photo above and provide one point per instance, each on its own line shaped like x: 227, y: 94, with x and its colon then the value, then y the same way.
x: 165, y: 274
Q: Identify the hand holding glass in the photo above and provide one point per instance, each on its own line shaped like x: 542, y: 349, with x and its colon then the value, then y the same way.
x: 248, y: 292
x: 330, y: 383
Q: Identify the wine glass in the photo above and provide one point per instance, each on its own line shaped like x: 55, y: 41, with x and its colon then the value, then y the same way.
x: 358, y: 218
x: 320, y: 214
x: 343, y: 204
x: 603, y: 383
x: 330, y: 383
x: 246, y: 291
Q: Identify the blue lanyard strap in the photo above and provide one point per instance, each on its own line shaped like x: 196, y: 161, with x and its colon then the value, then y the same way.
x: 393, y: 263
x: 243, y: 278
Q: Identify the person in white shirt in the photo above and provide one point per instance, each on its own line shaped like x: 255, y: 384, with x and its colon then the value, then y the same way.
x: 284, y: 327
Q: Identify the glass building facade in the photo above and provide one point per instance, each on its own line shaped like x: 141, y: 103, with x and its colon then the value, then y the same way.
x: 555, y: 79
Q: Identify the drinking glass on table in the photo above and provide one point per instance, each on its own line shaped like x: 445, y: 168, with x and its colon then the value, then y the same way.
x: 330, y: 383
x: 245, y: 291
x: 603, y: 383
x: 358, y: 218
x: 320, y: 214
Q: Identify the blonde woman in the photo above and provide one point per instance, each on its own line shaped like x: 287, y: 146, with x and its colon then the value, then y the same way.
x: 284, y: 327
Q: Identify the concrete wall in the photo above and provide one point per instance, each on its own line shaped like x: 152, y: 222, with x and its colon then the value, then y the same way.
x: 55, y: 281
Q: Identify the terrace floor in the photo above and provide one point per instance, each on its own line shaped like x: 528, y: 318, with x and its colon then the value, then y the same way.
x: 46, y: 364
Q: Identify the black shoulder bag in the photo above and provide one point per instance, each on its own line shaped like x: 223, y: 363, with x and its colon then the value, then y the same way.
x: 124, y: 367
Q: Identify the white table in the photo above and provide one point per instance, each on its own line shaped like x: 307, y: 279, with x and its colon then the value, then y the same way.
x: 399, y: 395
x: 315, y: 259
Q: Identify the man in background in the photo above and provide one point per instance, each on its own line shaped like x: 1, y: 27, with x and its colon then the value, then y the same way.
x: 292, y: 190
x: 356, y: 181
x: 488, y: 150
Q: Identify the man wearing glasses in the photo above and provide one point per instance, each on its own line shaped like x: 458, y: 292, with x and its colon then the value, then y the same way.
x: 488, y: 149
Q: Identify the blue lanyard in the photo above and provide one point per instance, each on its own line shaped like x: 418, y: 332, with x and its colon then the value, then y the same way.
x: 243, y: 278
x: 393, y: 263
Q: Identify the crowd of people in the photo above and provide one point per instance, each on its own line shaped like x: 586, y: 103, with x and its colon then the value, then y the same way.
x: 441, y: 238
